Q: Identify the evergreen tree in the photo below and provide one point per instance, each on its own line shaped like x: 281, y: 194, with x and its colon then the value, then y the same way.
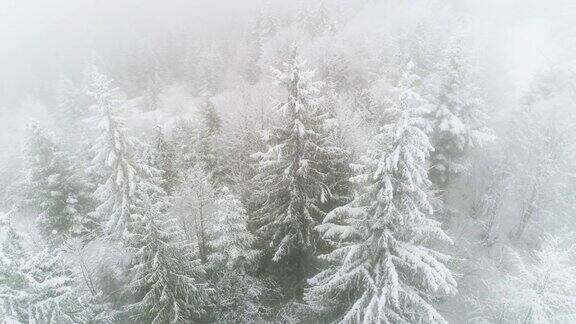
x: 13, y: 282
x: 458, y: 122
x: 54, y: 296
x: 296, y: 175
x: 210, y: 119
x: 151, y: 96
x: 232, y: 242
x: 41, y: 288
x: 263, y: 29
x: 211, y: 70
x: 166, y: 281
x: 208, y: 153
x: 383, y: 269
x: 268, y: 26
x: 114, y: 159
x: 251, y: 70
x: 239, y: 293
x: 314, y: 21
x: 163, y: 158
x: 184, y: 137
x: 55, y: 190
x: 321, y: 22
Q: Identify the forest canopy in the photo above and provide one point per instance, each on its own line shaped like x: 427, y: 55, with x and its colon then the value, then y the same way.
x: 346, y: 161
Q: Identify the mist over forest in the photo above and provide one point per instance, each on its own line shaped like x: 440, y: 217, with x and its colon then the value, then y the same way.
x: 268, y: 161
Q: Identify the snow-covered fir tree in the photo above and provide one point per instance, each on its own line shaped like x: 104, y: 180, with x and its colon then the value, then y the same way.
x: 208, y: 153
x: 458, y: 122
x: 163, y: 158
x: 56, y: 191
x: 232, y: 244
x: 151, y: 96
x: 267, y: 22
x: 383, y: 268
x: 166, y: 280
x: 40, y: 287
x: 211, y: 69
x: 232, y: 260
x: 184, y: 136
x: 297, y: 174
x: 54, y: 295
x: 538, y: 289
x: 114, y: 159
x: 314, y: 20
x: 263, y: 29
x: 210, y: 119
x: 13, y: 281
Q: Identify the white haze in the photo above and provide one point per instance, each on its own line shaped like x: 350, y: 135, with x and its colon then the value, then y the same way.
x: 40, y: 40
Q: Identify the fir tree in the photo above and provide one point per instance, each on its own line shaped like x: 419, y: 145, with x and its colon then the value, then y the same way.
x: 314, y: 21
x: 458, y: 122
x: 184, y: 137
x: 54, y: 296
x: 210, y: 119
x: 211, y: 70
x: 382, y: 269
x: 296, y: 175
x: 151, y: 96
x: 40, y: 288
x: 13, y: 281
x: 114, y: 159
x: 239, y: 293
x: 163, y: 158
x: 232, y: 243
x: 55, y: 190
x: 166, y: 281
x: 268, y: 26
x: 208, y: 152
x: 263, y: 29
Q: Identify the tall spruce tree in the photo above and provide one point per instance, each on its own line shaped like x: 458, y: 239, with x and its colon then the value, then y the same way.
x: 114, y: 159
x: 40, y: 287
x: 13, y: 281
x: 153, y: 88
x: 383, y: 269
x: 56, y: 191
x: 208, y: 153
x: 232, y: 243
x: 54, y: 295
x: 184, y: 137
x: 458, y: 122
x: 232, y: 259
x: 296, y: 175
x: 166, y: 280
x: 163, y: 158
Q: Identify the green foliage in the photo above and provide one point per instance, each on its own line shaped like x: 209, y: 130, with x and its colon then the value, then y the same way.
x: 55, y: 189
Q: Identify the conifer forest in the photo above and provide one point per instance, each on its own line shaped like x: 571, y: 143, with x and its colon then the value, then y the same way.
x: 287, y: 161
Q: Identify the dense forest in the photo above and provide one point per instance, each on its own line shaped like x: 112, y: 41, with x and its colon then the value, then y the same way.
x: 311, y: 162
